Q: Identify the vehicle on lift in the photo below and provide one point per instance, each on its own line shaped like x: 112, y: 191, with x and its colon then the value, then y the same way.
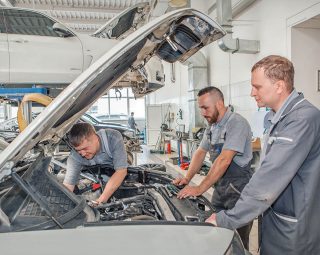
x: 145, y: 212
x: 36, y: 49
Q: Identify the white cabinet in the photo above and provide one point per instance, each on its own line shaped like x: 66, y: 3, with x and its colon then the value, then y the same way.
x: 156, y: 115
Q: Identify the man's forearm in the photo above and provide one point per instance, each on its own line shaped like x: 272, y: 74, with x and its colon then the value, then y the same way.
x: 216, y: 171
x: 196, y: 163
x: 113, y: 184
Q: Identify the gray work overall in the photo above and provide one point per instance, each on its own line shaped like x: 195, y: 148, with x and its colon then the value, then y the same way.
x: 228, y: 188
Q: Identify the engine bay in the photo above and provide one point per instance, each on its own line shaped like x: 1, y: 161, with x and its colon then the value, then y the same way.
x: 38, y: 200
x: 144, y: 195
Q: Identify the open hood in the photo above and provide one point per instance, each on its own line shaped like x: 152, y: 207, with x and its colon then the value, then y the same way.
x: 172, y: 37
x: 126, y: 22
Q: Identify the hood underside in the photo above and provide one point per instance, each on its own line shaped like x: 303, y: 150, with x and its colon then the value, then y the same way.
x: 125, y: 22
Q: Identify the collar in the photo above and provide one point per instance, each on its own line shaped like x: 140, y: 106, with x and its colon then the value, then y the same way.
x: 102, y: 145
x: 276, y: 116
x: 224, y: 119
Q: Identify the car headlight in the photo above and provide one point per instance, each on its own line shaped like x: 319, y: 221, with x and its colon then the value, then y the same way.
x: 236, y: 246
x: 129, y: 133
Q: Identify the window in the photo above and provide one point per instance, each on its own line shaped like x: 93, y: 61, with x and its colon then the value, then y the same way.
x: 118, y: 104
x: 138, y: 107
x: 28, y: 23
x: 2, y: 25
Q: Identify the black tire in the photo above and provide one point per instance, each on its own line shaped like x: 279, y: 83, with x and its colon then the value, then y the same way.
x: 154, y: 167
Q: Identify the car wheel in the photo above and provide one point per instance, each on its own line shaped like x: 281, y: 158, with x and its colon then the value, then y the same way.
x: 153, y: 167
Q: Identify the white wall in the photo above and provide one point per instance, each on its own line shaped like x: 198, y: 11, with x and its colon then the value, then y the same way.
x: 305, y: 48
x: 266, y: 21
x: 175, y: 93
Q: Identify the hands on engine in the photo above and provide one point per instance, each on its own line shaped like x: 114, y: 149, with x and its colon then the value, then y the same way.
x: 187, y: 191
x: 181, y: 181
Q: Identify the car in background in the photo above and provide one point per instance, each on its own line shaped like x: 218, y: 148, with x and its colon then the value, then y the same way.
x: 36, y: 49
x: 108, y: 117
x: 9, y: 129
x: 101, y: 124
x: 40, y: 216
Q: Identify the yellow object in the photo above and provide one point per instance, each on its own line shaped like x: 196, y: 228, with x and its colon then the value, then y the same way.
x: 256, y: 144
x: 36, y: 97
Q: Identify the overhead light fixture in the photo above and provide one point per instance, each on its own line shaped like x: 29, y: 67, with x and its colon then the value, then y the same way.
x: 178, y: 3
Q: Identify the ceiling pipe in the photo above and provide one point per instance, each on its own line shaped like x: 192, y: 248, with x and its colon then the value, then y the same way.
x: 224, y: 17
x: 198, y: 79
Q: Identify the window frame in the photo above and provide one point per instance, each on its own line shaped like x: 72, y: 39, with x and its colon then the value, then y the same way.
x: 35, y: 13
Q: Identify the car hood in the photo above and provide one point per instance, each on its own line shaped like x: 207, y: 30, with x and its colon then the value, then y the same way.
x: 125, y: 22
x: 187, y: 239
x: 172, y: 37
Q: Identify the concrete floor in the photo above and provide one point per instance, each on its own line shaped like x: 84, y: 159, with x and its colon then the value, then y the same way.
x: 175, y: 171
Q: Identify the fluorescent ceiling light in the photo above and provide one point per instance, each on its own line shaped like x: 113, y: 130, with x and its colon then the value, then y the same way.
x: 177, y: 3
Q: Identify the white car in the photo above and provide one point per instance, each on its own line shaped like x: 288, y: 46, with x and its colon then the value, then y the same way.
x: 36, y: 49
x: 38, y: 215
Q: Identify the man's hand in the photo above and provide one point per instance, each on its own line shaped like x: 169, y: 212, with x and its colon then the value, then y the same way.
x: 101, y: 200
x: 189, y: 191
x: 180, y: 181
x: 212, y: 219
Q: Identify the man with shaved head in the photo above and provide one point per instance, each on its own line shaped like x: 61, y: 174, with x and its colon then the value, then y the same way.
x: 228, y: 141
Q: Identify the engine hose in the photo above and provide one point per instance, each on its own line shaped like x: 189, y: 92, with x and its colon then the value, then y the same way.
x: 122, y: 201
x: 35, y: 97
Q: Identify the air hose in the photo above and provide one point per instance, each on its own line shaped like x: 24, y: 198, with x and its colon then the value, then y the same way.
x: 35, y: 97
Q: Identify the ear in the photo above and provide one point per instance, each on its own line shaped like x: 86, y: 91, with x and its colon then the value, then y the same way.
x: 280, y: 86
x: 219, y: 104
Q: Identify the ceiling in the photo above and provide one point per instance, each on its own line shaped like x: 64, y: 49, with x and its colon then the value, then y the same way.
x: 85, y: 16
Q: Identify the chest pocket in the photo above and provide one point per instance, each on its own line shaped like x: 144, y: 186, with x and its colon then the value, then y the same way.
x: 217, y: 138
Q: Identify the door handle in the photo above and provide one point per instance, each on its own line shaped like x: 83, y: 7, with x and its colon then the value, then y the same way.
x: 20, y: 41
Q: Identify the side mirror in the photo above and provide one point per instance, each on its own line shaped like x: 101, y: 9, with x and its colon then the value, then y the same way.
x: 61, y: 30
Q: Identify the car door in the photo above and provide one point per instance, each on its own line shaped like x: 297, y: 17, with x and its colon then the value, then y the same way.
x: 4, y: 52
x: 38, y: 55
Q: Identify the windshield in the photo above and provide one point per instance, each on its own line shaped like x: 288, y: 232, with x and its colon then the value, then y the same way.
x: 89, y: 119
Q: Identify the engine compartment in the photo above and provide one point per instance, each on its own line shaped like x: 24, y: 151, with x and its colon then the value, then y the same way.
x: 37, y: 200
x: 148, y: 195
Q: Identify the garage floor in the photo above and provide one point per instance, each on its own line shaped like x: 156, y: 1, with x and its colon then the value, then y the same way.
x: 147, y: 157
